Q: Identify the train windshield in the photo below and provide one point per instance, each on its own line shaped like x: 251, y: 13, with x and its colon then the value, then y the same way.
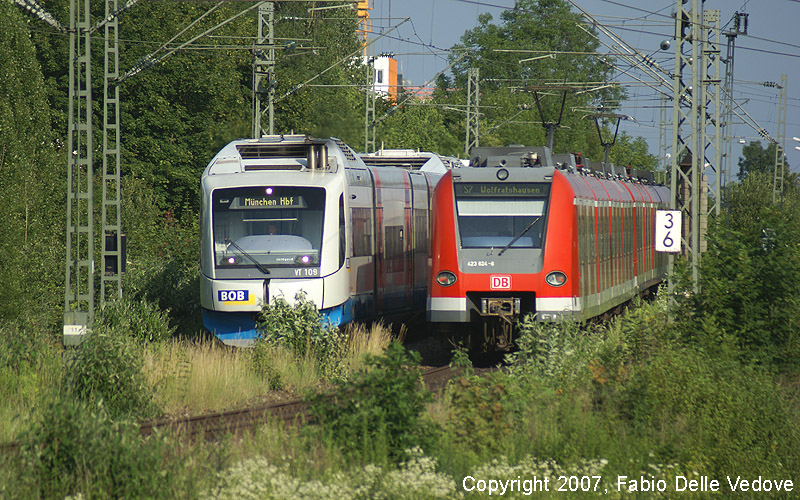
x: 270, y: 226
x: 501, y: 215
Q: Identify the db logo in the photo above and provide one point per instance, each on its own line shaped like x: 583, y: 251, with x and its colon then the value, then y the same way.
x: 499, y: 282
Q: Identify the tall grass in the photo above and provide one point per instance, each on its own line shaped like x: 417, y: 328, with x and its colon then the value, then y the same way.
x: 30, y: 366
x: 203, y: 375
x: 626, y: 399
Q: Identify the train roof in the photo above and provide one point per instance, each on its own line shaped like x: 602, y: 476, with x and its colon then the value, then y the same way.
x: 411, y: 160
x: 282, y: 152
x: 533, y: 156
x: 511, y: 156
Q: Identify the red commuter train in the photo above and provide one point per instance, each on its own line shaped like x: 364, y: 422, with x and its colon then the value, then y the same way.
x: 517, y: 232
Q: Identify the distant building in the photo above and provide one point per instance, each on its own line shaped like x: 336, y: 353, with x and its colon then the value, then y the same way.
x: 386, y: 77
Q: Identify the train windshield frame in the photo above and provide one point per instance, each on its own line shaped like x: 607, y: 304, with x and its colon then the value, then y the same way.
x: 498, y: 215
x: 267, y: 227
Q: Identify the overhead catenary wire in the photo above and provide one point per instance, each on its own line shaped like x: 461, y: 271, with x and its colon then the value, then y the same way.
x: 348, y: 57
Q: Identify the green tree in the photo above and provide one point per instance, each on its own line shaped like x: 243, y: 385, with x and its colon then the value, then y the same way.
x: 419, y: 127
x: 326, y: 49
x: 31, y: 181
x: 756, y: 159
x: 749, y: 275
x: 532, y: 29
x: 633, y: 152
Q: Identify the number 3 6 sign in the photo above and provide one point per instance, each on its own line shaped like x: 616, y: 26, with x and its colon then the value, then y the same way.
x: 668, y: 231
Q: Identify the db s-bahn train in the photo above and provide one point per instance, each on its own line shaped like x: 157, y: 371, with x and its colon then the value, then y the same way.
x: 285, y: 214
x: 517, y: 232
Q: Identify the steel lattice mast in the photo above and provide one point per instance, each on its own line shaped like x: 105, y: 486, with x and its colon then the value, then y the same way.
x: 111, y: 280
x: 264, y: 71
x: 687, y: 136
x: 780, y: 157
x: 79, y: 275
x: 473, y: 110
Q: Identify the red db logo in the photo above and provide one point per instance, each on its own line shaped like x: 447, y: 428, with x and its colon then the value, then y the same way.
x: 499, y: 282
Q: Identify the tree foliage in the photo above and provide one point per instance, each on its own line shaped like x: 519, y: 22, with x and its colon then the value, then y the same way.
x: 542, y: 31
x: 32, y: 181
x: 748, y: 285
x: 757, y: 159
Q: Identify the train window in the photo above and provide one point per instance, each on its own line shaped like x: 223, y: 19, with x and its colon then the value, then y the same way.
x: 394, y: 249
x: 361, y: 219
x: 269, y: 226
x: 491, y: 222
x: 420, y: 231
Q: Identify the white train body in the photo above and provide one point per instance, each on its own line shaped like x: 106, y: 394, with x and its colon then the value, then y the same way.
x: 288, y: 214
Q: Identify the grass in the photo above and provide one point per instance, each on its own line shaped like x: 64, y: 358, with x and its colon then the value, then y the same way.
x: 198, y: 376
x: 21, y: 392
x: 608, y: 402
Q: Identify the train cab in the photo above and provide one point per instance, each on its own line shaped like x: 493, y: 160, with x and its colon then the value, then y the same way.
x: 517, y: 232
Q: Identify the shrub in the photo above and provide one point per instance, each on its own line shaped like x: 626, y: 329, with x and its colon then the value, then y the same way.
x: 555, y: 351
x: 75, y: 448
x: 715, y: 413
x: 381, y: 405
x: 169, y: 285
x: 139, y: 319
x: 747, y: 300
x: 299, y: 328
x: 107, y: 367
x: 263, y: 365
x: 481, y: 415
x: 416, y: 478
x: 22, y: 345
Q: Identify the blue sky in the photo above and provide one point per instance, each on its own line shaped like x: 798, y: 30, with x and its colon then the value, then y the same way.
x: 770, y: 49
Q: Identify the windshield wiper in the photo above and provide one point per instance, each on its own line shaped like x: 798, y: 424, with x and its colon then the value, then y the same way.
x: 252, y: 259
x: 518, y: 236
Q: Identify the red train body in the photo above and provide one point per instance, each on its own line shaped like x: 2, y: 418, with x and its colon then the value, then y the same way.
x: 514, y: 234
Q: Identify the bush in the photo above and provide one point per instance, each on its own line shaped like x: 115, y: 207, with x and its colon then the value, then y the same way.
x: 714, y: 413
x: 382, y: 405
x: 107, y: 367
x: 139, y: 319
x: 554, y: 351
x: 75, y: 448
x: 171, y: 286
x: 163, y: 254
x: 264, y: 366
x: 299, y: 328
x: 481, y: 414
x: 747, y: 301
x: 22, y: 345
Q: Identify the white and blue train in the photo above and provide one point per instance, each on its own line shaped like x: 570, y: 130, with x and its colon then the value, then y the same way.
x: 285, y: 214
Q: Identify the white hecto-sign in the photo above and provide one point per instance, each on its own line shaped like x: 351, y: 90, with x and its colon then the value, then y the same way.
x: 668, y: 231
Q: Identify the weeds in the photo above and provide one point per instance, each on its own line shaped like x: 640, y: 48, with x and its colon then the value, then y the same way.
x: 140, y: 319
x: 76, y: 448
x: 107, y: 367
x: 382, y: 405
x: 299, y: 328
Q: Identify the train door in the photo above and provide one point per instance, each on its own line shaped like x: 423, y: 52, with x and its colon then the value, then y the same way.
x: 419, y: 245
x: 360, y: 199
x: 392, y: 196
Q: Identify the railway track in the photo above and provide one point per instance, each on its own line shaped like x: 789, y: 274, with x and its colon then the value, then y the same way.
x: 218, y: 424
x: 214, y: 425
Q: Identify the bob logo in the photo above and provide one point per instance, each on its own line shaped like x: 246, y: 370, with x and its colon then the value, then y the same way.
x: 234, y: 296
x: 499, y: 282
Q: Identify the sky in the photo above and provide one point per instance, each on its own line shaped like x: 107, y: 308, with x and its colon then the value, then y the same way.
x: 770, y: 49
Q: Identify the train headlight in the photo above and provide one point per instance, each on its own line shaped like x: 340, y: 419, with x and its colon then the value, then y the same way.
x: 445, y: 278
x: 305, y: 260
x: 556, y: 278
